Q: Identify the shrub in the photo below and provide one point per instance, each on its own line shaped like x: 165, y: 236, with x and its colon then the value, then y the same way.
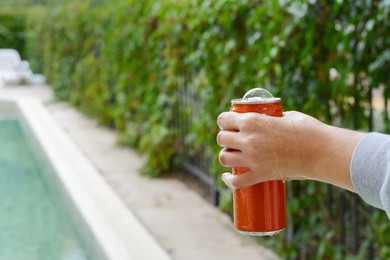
x: 12, y: 31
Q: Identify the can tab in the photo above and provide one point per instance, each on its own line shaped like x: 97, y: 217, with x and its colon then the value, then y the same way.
x: 257, y: 94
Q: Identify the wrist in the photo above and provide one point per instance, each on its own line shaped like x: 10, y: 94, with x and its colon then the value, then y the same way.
x: 310, y: 139
x: 333, y: 155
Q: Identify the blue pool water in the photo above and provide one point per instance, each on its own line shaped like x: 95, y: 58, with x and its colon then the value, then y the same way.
x: 33, y: 221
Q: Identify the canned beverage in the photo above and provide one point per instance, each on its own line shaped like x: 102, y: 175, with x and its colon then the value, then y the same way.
x: 259, y: 210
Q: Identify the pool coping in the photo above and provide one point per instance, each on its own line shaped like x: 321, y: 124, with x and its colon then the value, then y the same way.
x: 118, y: 233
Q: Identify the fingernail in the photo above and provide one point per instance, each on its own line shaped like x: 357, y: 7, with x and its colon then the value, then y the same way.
x: 227, y: 178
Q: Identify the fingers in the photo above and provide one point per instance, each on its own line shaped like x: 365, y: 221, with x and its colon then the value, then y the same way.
x: 242, y: 180
x: 231, y: 158
x: 232, y: 181
x: 237, y: 131
x: 227, y: 179
x: 235, y: 127
x: 228, y: 121
x: 232, y: 121
x: 229, y: 139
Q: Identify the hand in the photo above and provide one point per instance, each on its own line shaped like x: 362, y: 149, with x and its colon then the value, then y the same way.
x: 295, y: 146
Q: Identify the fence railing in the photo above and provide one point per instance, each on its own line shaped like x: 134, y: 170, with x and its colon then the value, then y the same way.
x: 191, y: 158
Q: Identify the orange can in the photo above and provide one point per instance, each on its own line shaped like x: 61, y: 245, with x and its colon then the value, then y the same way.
x: 259, y: 210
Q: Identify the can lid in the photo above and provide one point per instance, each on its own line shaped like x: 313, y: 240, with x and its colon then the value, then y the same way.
x: 256, y: 96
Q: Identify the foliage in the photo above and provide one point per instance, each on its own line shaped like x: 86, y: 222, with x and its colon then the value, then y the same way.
x: 131, y: 63
x: 17, y: 4
x: 12, y: 30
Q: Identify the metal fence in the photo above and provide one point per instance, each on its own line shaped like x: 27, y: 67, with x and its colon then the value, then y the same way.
x: 347, y: 211
x: 191, y: 158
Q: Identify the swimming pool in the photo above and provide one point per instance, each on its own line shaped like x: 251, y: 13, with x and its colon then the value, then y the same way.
x: 67, y: 210
x: 34, y: 222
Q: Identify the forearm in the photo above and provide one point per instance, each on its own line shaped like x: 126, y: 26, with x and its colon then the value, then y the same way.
x: 331, y: 154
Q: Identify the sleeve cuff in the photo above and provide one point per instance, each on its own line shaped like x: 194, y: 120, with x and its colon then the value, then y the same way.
x: 369, y: 167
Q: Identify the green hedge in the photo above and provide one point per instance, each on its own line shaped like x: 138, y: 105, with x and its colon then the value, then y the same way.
x: 13, y: 31
x: 126, y: 61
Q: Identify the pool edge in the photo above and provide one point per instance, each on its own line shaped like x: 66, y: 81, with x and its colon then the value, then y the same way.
x: 112, y: 225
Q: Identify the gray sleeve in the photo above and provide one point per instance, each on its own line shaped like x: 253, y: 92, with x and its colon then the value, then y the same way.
x: 370, y: 170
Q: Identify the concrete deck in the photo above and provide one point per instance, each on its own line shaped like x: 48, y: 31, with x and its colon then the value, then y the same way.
x: 182, y: 222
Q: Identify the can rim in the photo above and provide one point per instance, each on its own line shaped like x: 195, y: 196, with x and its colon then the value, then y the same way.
x: 246, y: 101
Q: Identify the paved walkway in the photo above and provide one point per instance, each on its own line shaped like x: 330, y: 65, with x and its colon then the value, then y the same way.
x: 187, y: 226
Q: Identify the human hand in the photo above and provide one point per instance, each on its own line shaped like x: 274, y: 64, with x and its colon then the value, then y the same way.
x: 295, y: 146
x: 270, y: 147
